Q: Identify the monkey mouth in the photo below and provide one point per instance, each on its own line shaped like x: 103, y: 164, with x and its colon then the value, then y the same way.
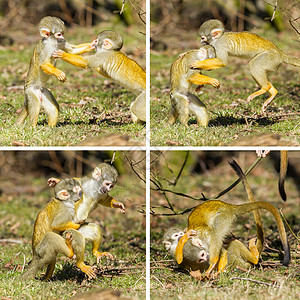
x: 103, y: 190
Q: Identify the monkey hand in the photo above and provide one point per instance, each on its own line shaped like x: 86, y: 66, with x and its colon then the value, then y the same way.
x: 99, y: 255
x: 215, y: 83
x: 61, y: 76
x: 58, y: 54
x: 118, y: 204
x: 93, y: 43
x: 52, y: 182
x: 262, y: 153
x: 191, y: 232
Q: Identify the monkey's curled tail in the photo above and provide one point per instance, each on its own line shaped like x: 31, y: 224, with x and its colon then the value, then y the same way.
x: 244, y: 208
x: 292, y: 60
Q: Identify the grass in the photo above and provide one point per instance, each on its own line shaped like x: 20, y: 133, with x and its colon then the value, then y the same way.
x: 230, y: 116
x: 89, y: 104
x: 209, y: 174
x: 123, y: 236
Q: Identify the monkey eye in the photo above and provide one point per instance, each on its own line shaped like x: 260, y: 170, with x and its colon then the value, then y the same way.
x: 203, y: 38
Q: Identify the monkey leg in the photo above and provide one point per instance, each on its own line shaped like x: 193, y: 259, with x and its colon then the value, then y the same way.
x: 259, y: 67
x: 22, y: 116
x: 200, y: 79
x: 222, y: 263
x: 239, y: 254
x: 50, y: 106
x: 92, y: 232
x: 138, y: 108
x: 78, y: 245
x: 208, y: 64
x: 180, y: 107
x: 33, y: 98
x: 174, y: 113
x: 198, y: 108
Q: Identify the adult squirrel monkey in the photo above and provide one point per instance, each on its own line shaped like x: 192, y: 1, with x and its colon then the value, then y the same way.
x: 182, y: 77
x: 264, y: 55
x: 96, y: 187
x: 194, y: 253
x: 213, y: 220
x: 55, y: 218
x: 41, y: 66
x: 110, y: 62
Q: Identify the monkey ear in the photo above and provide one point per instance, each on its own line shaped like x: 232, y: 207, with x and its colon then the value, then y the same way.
x: 63, y: 195
x: 96, y: 174
x: 216, y: 33
x: 44, y: 32
x: 107, y: 44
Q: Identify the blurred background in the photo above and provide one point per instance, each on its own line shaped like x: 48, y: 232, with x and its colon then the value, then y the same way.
x: 179, y: 17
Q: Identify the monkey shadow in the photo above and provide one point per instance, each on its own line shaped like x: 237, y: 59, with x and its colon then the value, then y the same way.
x: 69, y: 272
x: 230, y: 120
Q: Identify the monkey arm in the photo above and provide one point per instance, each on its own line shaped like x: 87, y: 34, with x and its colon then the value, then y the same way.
x: 208, y: 64
x: 73, y: 59
x: 49, y: 69
x: 111, y: 202
x: 64, y: 226
x: 180, y: 245
x: 200, y: 79
x: 79, y: 49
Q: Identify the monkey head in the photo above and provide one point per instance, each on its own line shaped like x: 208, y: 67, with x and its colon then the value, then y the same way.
x: 109, y: 40
x: 171, y: 238
x: 207, y: 52
x: 195, y: 250
x: 210, y: 31
x: 106, y: 175
x: 52, y: 27
x: 68, y: 189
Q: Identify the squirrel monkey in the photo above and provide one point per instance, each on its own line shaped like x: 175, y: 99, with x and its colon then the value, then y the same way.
x: 96, y: 187
x: 182, y: 78
x: 55, y: 218
x: 213, y: 220
x: 194, y: 252
x: 264, y: 55
x: 41, y: 66
x: 110, y: 62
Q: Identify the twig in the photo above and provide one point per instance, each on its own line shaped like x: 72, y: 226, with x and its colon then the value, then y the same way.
x: 13, y: 241
x: 182, y: 167
x: 252, y: 280
x: 288, y: 225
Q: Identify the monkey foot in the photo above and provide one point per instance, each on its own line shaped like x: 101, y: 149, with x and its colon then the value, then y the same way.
x: 99, y: 255
x: 88, y: 270
x: 254, y: 251
x: 196, y: 274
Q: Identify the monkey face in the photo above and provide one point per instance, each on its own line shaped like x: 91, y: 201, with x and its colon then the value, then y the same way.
x: 106, y: 186
x: 59, y: 37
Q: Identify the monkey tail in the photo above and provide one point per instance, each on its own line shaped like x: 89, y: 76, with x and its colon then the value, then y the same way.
x: 257, y: 217
x: 282, y: 173
x: 243, y: 208
x: 292, y: 60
